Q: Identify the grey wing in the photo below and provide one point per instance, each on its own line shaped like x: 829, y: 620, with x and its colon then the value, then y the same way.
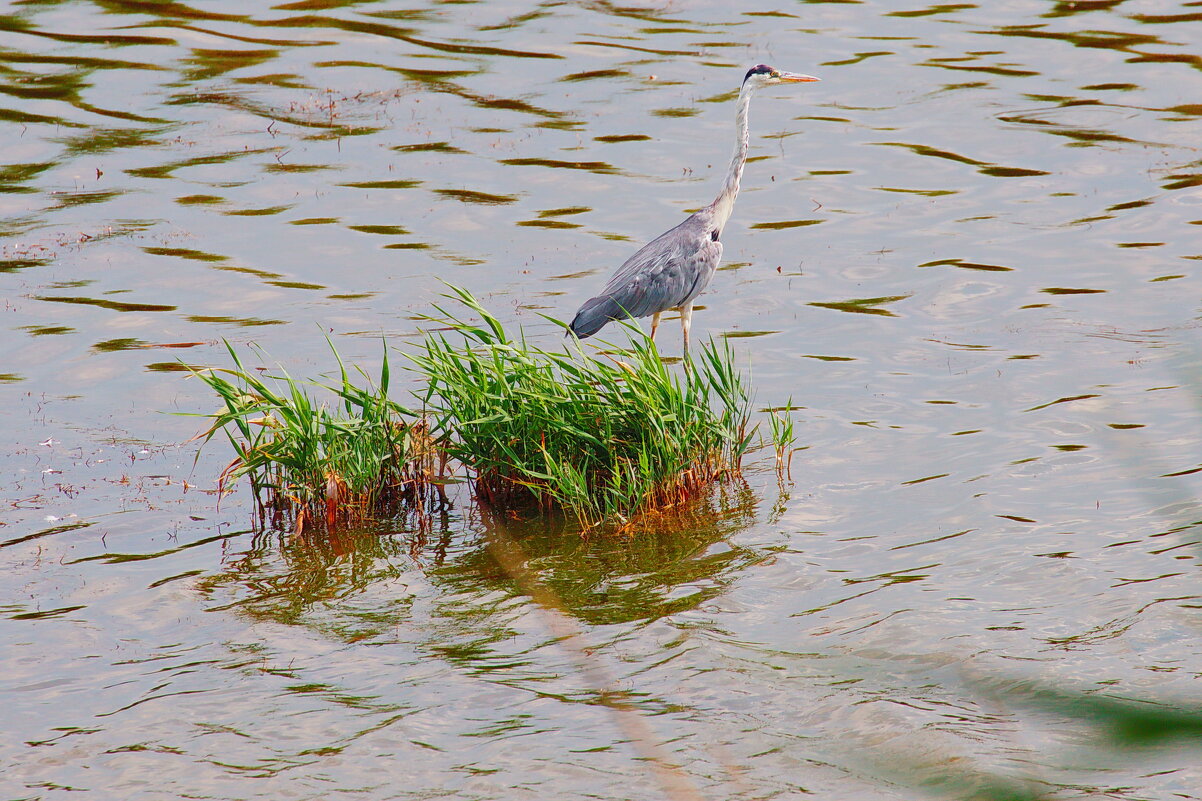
x: 667, y: 272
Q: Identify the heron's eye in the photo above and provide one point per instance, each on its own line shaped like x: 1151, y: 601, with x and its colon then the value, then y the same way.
x: 775, y: 74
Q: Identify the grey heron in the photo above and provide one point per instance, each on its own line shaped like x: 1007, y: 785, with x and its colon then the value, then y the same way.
x: 670, y: 271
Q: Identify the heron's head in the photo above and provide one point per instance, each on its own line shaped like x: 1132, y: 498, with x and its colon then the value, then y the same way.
x: 762, y: 75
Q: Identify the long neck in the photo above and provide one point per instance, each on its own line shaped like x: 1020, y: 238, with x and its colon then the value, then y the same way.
x: 724, y: 204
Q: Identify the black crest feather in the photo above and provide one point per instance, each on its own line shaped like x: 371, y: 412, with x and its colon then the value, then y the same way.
x: 758, y: 69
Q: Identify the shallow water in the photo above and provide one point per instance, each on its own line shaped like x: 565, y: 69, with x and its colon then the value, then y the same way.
x: 968, y: 256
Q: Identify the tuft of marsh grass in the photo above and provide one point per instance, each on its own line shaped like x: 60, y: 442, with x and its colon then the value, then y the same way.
x: 312, y: 462
x: 606, y: 439
x: 783, y: 438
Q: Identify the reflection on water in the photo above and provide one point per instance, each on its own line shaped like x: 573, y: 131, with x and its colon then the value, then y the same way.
x: 968, y: 257
x: 681, y: 564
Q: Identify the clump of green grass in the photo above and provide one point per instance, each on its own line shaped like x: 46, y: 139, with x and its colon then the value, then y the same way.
x: 606, y: 439
x: 783, y: 438
x: 311, y: 462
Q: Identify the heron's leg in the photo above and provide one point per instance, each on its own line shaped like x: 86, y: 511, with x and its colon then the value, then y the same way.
x: 655, y: 324
x: 686, y: 319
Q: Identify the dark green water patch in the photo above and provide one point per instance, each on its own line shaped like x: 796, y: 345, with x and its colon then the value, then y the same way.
x: 46, y: 330
x: 257, y: 273
x: 296, y: 285
x: 46, y: 532
x: 428, y: 147
x: 172, y: 367
x: 565, y: 211
x: 637, y: 49
x: 27, y: 118
x: 941, y: 8
x: 46, y: 614
x: 282, y: 167
x: 783, y: 224
x: 385, y: 230
x: 200, y: 200
x: 1114, y: 40
x: 612, y: 138
x: 923, y: 192
x: 1010, y: 172
x: 391, y: 184
x: 241, y: 322
x: 68, y: 199
x: 12, y: 175
x: 1068, y: 399
x: 857, y: 58
x: 185, y: 253
x: 593, y: 75
x: 862, y: 305
x: 266, y: 211
x: 541, y: 223
x: 472, y: 196
x: 676, y: 112
x: 599, y: 167
x: 205, y: 64
x: 924, y: 479
x: 746, y: 334
x: 15, y: 265
x: 124, y: 343
x: 167, y: 170
x: 112, y: 305
x: 822, y: 358
x: 95, y: 141
x: 1182, y: 181
x: 967, y: 265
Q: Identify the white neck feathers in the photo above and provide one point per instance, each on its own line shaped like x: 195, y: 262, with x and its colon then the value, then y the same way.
x: 724, y: 204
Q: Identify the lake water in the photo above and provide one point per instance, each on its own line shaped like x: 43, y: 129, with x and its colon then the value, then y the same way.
x: 970, y: 256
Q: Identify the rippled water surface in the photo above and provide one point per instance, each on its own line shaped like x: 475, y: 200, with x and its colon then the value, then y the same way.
x: 969, y: 256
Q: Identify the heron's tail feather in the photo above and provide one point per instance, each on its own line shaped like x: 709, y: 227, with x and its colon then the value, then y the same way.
x: 594, y: 314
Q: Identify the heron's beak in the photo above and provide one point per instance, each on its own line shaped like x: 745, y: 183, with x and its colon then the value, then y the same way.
x: 796, y: 77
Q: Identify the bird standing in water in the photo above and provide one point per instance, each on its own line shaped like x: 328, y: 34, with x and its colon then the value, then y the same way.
x: 670, y: 271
